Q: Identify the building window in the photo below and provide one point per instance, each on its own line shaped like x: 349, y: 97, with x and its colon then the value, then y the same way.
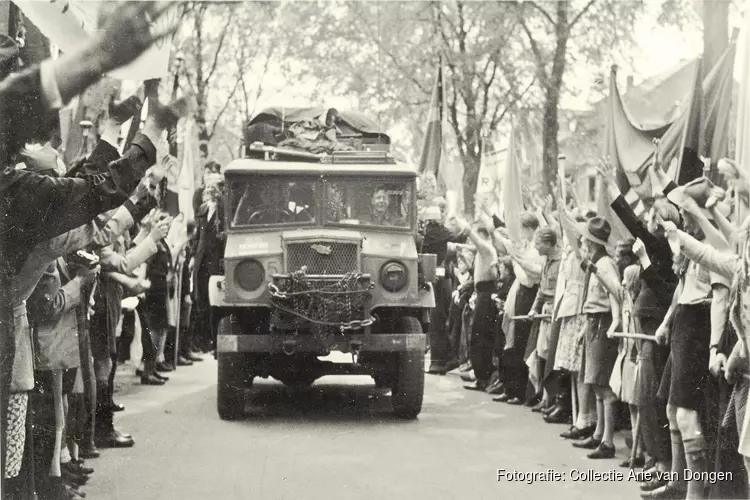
x: 592, y: 188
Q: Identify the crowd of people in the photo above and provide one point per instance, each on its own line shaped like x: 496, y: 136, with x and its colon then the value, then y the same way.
x: 644, y: 333
x: 94, y: 271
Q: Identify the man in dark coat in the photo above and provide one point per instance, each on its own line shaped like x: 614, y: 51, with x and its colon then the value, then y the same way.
x: 435, y: 241
x: 36, y: 207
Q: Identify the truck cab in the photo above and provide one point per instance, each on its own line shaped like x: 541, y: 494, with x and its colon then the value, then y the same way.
x: 321, y: 256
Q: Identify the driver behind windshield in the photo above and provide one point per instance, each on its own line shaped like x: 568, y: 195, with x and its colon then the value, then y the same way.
x: 379, y: 214
x: 270, y: 204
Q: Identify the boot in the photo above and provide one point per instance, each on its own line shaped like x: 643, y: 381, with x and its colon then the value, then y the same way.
x: 106, y: 435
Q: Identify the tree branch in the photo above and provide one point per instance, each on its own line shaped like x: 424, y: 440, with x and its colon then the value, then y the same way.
x: 218, y: 49
x: 223, y: 109
x: 580, y: 14
x: 540, y: 62
x: 543, y: 12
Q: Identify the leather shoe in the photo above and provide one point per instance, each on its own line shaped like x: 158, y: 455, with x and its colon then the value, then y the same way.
x: 549, y: 409
x: 479, y: 385
x: 633, y: 464
x: 164, y: 367
x: 653, y: 484
x: 502, y: 398
x: 451, y: 365
x: 559, y: 416
x: 75, y: 468
x: 114, y: 440
x: 151, y: 380
x: 666, y: 492
x: 603, y: 451
x: 87, y: 452
x: 194, y: 358
x: 575, y: 433
x: 468, y: 376
x: 589, y: 444
x: 181, y: 361
x: 82, y: 466
x: 496, y: 388
x: 539, y: 407
x: 514, y: 402
x: 116, y: 407
x: 437, y: 369
x: 73, y: 478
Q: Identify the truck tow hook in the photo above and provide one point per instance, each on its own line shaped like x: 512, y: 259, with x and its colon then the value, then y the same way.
x: 289, y: 347
x: 354, y: 347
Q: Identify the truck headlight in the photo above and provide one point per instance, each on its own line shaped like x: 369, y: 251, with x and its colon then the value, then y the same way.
x: 393, y: 276
x: 249, y: 275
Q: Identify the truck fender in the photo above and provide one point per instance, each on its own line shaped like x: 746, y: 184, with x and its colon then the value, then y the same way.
x: 216, y: 292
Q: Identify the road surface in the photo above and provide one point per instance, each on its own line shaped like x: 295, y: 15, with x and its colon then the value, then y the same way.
x: 338, y: 441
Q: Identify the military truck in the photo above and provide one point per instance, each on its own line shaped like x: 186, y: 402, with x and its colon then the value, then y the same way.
x: 320, y: 257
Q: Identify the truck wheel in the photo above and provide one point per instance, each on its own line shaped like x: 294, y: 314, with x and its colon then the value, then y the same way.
x: 232, y: 379
x: 408, y: 389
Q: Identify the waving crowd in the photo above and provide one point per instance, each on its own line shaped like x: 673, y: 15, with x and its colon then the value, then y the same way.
x: 645, y: 333
x: 78, y: 239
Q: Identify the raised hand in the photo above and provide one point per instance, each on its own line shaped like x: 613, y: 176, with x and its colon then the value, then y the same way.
x: 639, y: 249
x: 126, y: 32
x: 606, y: 171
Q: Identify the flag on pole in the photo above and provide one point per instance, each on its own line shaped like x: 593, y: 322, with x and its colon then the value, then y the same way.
x: 432, y: 148
x: 512, y: 191
x: 187, y: 136
x: 693, y: 143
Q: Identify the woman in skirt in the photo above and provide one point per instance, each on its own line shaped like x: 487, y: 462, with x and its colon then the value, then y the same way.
x: 569, y: 355
x: 602, y: 310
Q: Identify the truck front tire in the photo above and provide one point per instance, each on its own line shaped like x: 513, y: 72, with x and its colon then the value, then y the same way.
x: 408, y: 389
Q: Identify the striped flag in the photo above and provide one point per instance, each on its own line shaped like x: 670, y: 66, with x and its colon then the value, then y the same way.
x: 432, y: 149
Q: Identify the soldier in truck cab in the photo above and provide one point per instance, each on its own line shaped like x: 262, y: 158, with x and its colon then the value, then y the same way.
x: 379, y: 214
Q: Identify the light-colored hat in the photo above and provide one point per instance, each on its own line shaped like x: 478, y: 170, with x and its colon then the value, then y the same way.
x: 431, y: 213
x: 700, y: 190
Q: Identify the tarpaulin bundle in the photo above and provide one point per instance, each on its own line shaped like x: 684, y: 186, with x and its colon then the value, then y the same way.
x: 311, y: 129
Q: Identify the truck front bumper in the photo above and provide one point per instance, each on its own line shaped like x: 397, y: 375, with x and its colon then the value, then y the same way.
x: 290, y: 344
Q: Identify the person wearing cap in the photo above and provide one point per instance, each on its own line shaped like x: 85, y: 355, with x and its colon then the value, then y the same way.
x: 569, y: 355
x: 435, y: 241
x: 602, y: 310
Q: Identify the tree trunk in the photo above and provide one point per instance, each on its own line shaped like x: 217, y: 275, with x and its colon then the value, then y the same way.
x: 550, y: 123
x: 471, y: 163
x: 550, y: 147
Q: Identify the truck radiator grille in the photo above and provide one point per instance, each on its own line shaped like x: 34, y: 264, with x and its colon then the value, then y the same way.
x: 343, y: 257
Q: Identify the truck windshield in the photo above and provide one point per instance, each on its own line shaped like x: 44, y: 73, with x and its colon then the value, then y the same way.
x: 270, y: 201
x: 370, y: 202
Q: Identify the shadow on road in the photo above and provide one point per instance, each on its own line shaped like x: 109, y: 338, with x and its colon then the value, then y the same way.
x: 328, y: 400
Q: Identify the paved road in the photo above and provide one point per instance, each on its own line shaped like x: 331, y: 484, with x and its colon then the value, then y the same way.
x: 335, y: 440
